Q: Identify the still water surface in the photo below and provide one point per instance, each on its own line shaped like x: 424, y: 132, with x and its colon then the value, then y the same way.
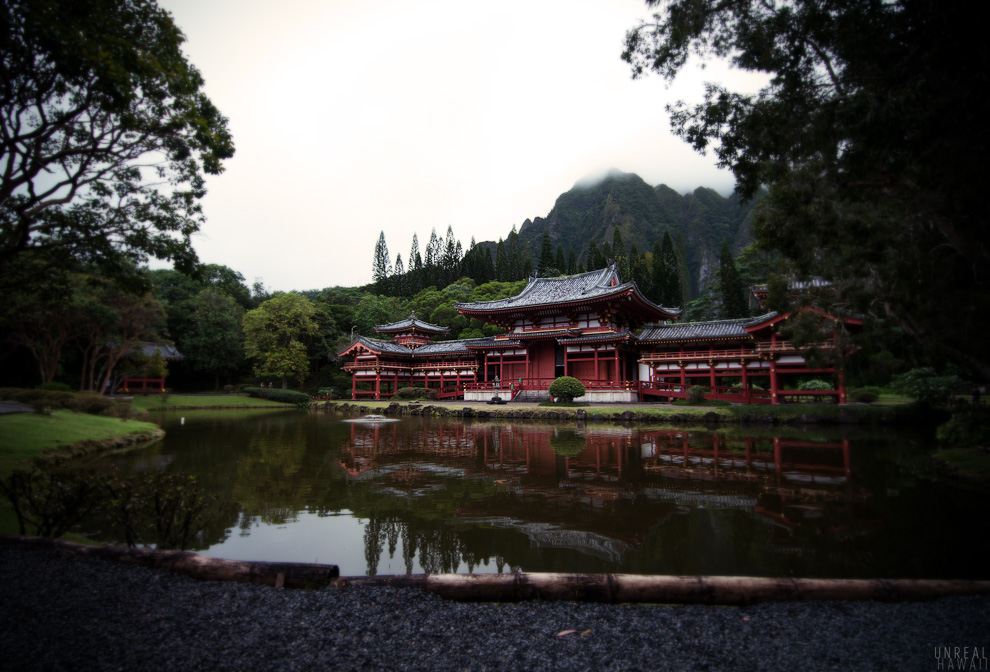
x: 429, y: 495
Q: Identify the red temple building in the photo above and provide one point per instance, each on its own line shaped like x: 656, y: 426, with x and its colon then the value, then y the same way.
x: 604, y: 332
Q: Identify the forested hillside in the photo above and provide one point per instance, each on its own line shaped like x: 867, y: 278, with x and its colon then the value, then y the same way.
x: 642, y: 213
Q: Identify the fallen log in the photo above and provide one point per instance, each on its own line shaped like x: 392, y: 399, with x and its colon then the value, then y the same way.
x: 619, y: 588
x: 279, y: 574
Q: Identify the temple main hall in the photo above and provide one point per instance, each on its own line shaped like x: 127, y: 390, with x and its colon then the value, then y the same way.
x: 602, y: 331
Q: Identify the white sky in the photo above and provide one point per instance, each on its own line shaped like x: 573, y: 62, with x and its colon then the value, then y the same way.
x: 353, y: 117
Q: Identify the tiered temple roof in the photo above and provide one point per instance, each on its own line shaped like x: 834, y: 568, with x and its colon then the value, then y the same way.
x: 411, y: 323
x: 568, y: 292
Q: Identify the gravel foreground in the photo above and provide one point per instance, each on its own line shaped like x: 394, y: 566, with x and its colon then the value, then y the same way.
x: 65, y: 613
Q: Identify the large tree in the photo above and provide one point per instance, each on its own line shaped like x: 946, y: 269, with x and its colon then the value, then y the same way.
x: 105, y: 133
x: 275, y: 336
x: 870, y: 137
x: 215, y: 343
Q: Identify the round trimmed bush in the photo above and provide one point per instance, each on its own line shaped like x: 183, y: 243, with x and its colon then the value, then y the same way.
x: 415, y: 393
x: 865, y: 395
x: 58, y: 387
x: 696, y: 393
x: 566, y: 389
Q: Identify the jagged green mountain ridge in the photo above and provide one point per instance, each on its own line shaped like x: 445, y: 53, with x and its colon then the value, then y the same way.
x: 642, y: 213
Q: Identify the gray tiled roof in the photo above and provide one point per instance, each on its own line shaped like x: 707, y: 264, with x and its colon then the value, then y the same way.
x: 438, y: 348
x: 565, y: 289
x: 491, y: 342
x: 701, y: 330
x: 595, y: 337
x: 412, y: 322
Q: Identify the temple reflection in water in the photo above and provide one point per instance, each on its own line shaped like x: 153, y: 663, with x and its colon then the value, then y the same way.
x: 602, y: 498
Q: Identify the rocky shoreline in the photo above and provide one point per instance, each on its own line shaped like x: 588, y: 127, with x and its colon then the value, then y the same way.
x: 600, y: 414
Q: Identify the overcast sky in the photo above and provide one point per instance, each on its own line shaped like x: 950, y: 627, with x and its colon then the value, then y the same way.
x: 353, y: 117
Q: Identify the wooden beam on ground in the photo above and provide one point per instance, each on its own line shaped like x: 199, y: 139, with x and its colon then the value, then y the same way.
x: 627, y: 588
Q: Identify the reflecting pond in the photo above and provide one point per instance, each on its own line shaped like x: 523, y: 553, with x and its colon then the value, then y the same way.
x: 432, y: 495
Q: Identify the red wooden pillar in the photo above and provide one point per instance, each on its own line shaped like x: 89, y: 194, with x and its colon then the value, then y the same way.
x: 615, y: 367
x: 745, y: 382
x: 354, y: 385
x: 711, y: 376
x: 597, y: 372
x: 378, y: 384
x: 773, y: 381
x: 777, y: 455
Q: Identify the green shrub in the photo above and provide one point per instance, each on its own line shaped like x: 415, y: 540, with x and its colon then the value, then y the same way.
x: 864, y: 395
x: 566, y: 389
x: 969, y: 427
x: 80, y: 402
x: 415, y: 393
x: 279, y: 395
x: 926, y: 386
x: 58, y: 387
x: 820, y: 385
x: 49, y: 500
x: 696, y: 393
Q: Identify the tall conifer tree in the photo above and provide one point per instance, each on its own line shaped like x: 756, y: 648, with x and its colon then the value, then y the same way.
x: 733, y: 298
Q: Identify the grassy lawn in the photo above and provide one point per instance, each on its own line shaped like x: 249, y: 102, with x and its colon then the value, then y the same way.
x: 153, y: 402
x: 24, y: 436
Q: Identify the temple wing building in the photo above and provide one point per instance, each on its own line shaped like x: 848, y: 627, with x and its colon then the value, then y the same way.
x: 607, y: 334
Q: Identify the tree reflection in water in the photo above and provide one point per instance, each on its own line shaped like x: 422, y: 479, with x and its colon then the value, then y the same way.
x: 429, y: 495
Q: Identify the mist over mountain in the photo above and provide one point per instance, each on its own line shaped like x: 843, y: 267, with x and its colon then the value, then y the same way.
x: 594, y: 207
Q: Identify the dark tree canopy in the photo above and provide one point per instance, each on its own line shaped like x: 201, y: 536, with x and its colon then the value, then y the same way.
x: 105, y: 132
x: 870, y: 137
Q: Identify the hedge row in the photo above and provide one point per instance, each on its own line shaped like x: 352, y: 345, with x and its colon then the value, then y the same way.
x: 81, y: 402
x: 279, y: 395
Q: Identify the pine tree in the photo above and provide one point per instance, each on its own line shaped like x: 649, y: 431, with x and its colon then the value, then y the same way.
x: 381, y: 267
x: 571, y: 261
x: 400, y: 282
x: 733, y: 298
x: 559, y: 261
x: 514, y: 250
x: 658, y: 275
x: 619, y: 253
x: 546, y: 256
x: 487, y: 267
x: 502, y: 268
x: 434, y: 257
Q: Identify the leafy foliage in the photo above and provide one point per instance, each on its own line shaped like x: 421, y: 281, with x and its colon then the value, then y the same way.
x: 49, y: 501
x: 815, y: 384
x: 106, y: 136
x: 276, y: 336
x: 415, y: 393
x: 868, y: 136
x: 926, y: 386
x: 696, y: 393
